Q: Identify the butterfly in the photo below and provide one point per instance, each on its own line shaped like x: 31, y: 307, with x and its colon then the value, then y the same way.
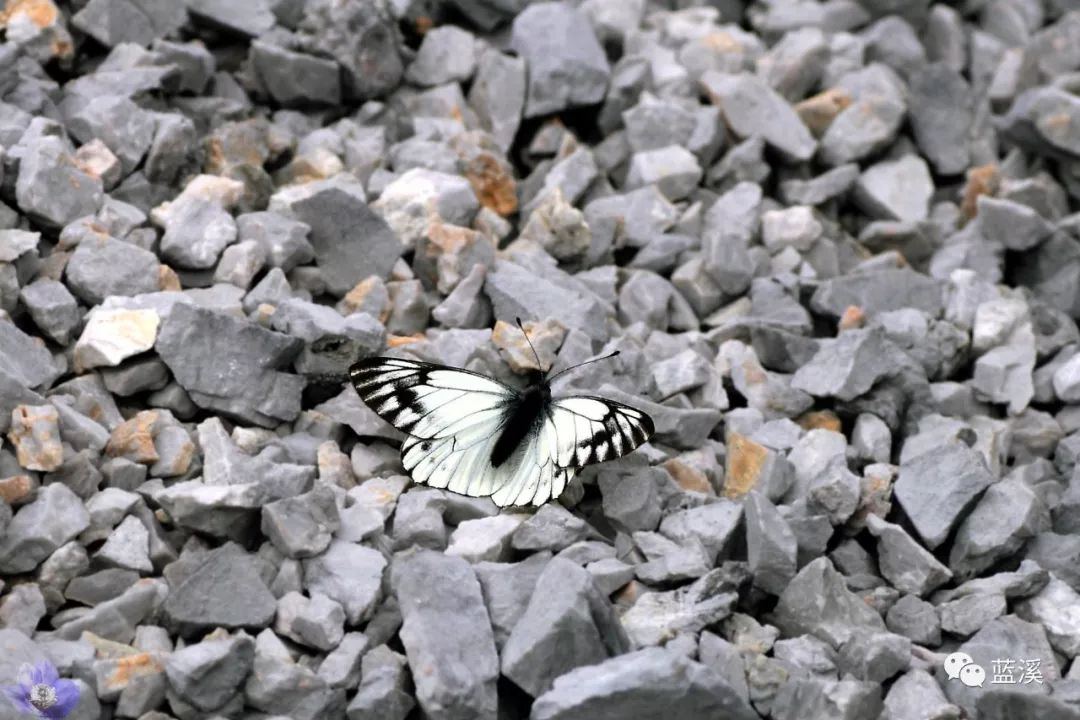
x: 473, y: 435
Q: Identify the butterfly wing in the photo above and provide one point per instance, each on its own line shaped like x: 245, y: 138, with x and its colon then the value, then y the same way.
x: 452, y: 417
x: 577, y: 431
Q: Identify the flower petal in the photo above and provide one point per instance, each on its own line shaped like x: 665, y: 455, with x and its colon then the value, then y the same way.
x: 47, y: 672
x: 67, y: 696
x: 19, y: 698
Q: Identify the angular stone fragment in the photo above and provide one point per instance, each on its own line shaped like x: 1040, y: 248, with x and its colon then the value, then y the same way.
x: 566, y: 65
x: 51, y: 187
x: 35, y: 433
x: 937, y: 487
x: 112, y: 336
x: 103, y: 266
x: 443, y: 617
x: 818, y: 602
x: 653, y: 682
x: 350, y: 574
x: 40, y: 527
x: 896, y: 189
x: 903, y: 562
x: 296, y: 79
x: 225, y: 590
x: 567, y: 624
x: 231, y: 365
x: 751, y: 107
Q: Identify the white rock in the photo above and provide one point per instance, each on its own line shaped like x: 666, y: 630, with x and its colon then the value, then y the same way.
x: 486, y: 538
x: 112, y: 336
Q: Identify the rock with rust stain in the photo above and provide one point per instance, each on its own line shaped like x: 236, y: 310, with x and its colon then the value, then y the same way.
x: 35, y: 433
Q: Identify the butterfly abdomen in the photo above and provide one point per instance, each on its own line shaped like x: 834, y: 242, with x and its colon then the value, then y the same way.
x: 522, y: 423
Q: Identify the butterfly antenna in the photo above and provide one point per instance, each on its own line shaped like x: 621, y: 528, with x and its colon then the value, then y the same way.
x: 587, y: 362
x: 535, y: 354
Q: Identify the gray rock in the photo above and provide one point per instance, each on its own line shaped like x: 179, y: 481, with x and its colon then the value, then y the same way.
x: 567, y: 624
x: 823, y: 699
x: 22, y: 608
x: 211, y: 355
x: 125, y: 128
x: 196, y: 233
x: 1006, y: 637
x: 877, y: 292
x: 101, y: 586
x: 51, y: 187
x: 936, y: 488
x: 53, y: 309
x: 296, y: 79
x: 342, y: 666
x: 751, y: 107
x: 566, y: 65
x: 847, y: 367
x: 942, y: 113
x: 507, y: 588
x: 915, y: 619
x: 517, y: 292
x: 895, y: 189
x: 301, y: 526
x: 966, y: 614
x: 349, y: 574
x: 816, y: 601
x: 316, y: 622
x: 104, y: 266
x: 771, y: 546
x: 443, y: 617
x: 1006, y: 516
x: 485, y: 539
x: 112, y: 22
x: 552, y: 527
x: 447, y: 54
x: 829, y: 185
x: 673, y: 169
x: 279, y: 684
x: 657, y: 617
x: 1057, y: 553
x: 864, y: 128
x: 1010, y: 224
x: 251, y: 21
x: 648, y: 683
x: 350, y: 240
x: 874, y: 656
x: 916, y: 694
x: 420, y: 197
x: 497, y: 95
x: 209, y: 673
x: 284, y: 240
x: 1028, y: 123
x: 903, y: 562
x: 225, y: 590
x: 40, y: 527
x: 630, y: 501
x: 362, y: 38
x: 383, y: 693
x: 127, y: 547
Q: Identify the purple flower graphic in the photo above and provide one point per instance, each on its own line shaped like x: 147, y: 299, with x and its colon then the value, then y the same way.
x: 42, y: 693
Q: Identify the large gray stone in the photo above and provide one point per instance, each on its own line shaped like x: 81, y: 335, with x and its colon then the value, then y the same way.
x: 350, y: 240
x: 567, y: 624
x: 446, y: 632
x: 649, y: 683
x: 566, y: 65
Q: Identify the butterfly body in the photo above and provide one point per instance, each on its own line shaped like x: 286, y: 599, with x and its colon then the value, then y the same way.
x: 525, y: 416
x: 477, y: 436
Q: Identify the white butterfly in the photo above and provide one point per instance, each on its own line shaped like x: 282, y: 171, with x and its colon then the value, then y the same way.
x: 474, y: 435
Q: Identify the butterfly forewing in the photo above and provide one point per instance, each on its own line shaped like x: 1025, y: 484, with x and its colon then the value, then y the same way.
x: 454, y: 419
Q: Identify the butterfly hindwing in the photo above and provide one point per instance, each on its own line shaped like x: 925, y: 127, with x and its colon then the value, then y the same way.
x: 593, y: 430
x: 454, y: 418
